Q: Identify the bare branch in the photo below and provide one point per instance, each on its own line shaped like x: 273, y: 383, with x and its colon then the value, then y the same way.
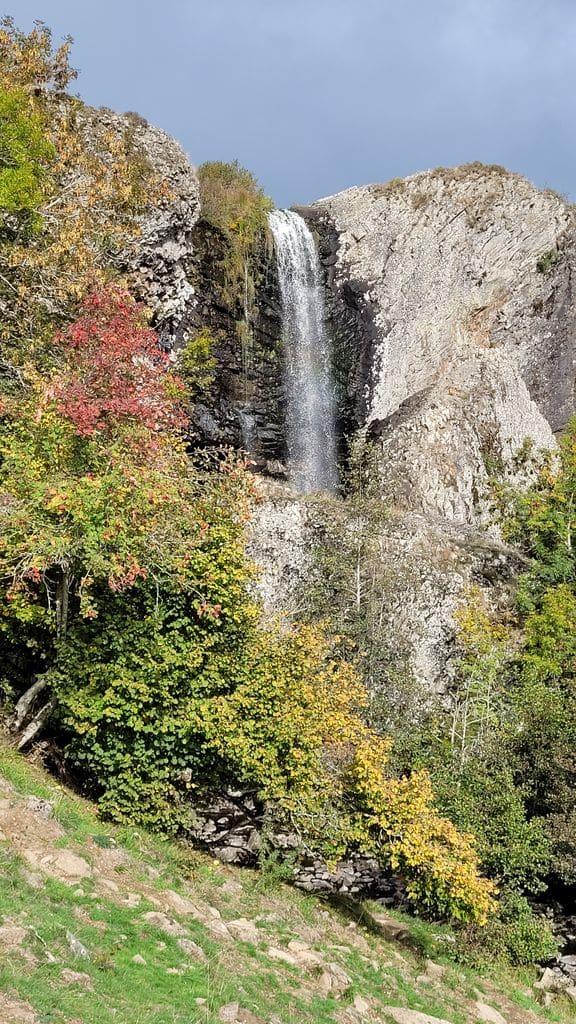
x: 26, y: 701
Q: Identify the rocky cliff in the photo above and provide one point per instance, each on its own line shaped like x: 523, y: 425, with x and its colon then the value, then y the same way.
x: 451, y: 304
x: 390, y: 579
x: 451, y: 299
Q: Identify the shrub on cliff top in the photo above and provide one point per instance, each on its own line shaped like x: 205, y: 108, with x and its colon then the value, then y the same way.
x: 29, y: 59
x: 232, y: 200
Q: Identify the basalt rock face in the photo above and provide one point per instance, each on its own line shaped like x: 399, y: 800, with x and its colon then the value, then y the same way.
x: 156, y: 260
x: 161, y: 257
x: 245, y: 406
x: 451, y: 300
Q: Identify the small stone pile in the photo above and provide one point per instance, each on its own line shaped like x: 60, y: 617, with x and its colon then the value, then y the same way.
x: 229, y: 826
x: 357, y: 876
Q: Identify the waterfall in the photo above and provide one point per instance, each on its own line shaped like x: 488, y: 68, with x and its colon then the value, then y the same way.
x: 310, y: 402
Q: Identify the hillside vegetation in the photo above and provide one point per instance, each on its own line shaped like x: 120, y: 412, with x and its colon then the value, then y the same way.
x: 109, y: 926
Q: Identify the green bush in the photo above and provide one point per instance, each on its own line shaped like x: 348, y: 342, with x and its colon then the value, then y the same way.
x: 547, y: 261
x: 25, y: 154
x: 196, y: 363
x: 232, y: 200
x: 485, y: 800
x: 518, y: 936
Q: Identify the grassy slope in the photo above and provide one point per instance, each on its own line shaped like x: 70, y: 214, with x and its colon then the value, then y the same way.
x: 128, y: 874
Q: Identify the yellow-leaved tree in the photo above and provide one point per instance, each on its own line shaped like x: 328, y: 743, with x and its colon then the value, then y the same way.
x: 293, y: 725
x: 95, y: 183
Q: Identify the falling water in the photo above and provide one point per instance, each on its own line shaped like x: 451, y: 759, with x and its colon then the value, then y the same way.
x: 310, y: 414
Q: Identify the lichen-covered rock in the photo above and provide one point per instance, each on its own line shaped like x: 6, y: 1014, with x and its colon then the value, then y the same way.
x: 158, y: 258
x: 451, y: 298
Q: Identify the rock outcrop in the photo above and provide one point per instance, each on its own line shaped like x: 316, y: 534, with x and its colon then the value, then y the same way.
x: 399, y: 575
x: 451, y: 300
x: 158, y: 260
x: 454, y: 323
x: 177, y: 264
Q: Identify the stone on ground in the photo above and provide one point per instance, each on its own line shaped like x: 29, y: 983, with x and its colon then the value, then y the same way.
x: 165, y: 923
x: 488, y: 1015
x: 76, y: 978
x: 334, y: 981
x: 405, y: 1016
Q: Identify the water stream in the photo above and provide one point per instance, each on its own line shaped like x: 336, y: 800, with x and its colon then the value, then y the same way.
x: 310, y: 411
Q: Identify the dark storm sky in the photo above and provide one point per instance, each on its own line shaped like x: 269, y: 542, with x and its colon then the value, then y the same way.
x: 317, y: 95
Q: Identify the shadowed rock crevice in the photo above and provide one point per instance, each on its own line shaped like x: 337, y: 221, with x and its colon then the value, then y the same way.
x: 245, y: 407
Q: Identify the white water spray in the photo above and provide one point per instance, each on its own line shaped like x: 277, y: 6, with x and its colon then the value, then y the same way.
x: 310, y: 412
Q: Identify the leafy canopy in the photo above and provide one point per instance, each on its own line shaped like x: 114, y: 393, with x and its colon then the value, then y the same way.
x: 25, y: 155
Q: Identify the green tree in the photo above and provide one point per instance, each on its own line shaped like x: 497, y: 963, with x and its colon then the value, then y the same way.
x: 25, y: 154
x: 542, y: 733
x: 542, y: 521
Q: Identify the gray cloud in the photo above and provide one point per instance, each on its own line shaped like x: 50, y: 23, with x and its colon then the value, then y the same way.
x: 316, y: 95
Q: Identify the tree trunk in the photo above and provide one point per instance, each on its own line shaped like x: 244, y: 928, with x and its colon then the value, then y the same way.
x: 62, y: 602
x: 22, y: 709
x: 37, y: 723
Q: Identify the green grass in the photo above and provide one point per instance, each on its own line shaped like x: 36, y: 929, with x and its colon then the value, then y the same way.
x: 123, y: 992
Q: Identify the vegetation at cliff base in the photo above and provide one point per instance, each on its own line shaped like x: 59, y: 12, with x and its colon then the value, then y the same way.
x: 499, y: 744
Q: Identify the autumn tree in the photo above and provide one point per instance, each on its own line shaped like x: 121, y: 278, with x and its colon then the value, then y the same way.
x: 29, y: 60
x: 95, y: 485
x: 83, y: 185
